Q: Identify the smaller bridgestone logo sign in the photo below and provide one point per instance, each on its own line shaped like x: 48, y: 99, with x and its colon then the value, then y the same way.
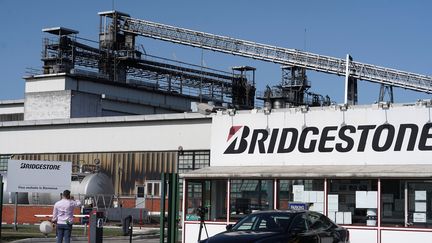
x: 40, y: 166
x: 38, y: 176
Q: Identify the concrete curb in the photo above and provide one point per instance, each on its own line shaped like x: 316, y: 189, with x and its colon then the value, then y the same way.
x: 136, y: 237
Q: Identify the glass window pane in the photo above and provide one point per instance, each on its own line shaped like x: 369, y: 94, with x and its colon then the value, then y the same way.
x: 140, y: 191
x: 206, y: 198
x: 247, y: 224
x: 194, y: 200
x: 299, y: 223
x: 217, y: 203
x: 312, y: 193
x: 318, y: 222
x: 420, y: 204
x: 250, y: 195
x: 393, y: 203
x: 156, y: 191
x: 353, y: 202
x: 150, y: 189
x: 4, y: 162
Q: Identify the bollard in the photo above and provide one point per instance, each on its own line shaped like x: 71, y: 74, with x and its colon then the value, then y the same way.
x: 96, y: 227
x: 127, y: 222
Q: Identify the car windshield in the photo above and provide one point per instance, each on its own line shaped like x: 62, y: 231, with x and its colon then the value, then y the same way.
x: 278, y: 222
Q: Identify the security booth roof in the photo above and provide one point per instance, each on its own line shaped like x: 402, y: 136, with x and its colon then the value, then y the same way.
x: 312, y: 171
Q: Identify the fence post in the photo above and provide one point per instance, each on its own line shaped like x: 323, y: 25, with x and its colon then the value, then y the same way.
x: 162, y: 209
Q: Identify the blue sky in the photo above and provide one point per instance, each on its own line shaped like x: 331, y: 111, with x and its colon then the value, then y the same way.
x: 394, y: 34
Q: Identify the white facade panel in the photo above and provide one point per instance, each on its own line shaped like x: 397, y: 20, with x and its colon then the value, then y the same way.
x: 12, y: 110
x: 192, y: 231
x: 393, y: 236
x: 363, y: 236
x: 145, y: 136
x: 48, y: 84
x: 361, y: 135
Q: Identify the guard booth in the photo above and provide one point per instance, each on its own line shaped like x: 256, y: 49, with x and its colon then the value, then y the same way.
x: 366, y: 168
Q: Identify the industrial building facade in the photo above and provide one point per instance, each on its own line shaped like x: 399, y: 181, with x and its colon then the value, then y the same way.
x: 133, y: 116
x: 367, y: 168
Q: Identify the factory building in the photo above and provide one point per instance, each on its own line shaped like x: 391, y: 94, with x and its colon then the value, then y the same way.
x: 114, y: 110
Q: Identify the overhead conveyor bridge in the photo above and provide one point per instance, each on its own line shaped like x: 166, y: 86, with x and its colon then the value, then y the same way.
x: 284, y: 56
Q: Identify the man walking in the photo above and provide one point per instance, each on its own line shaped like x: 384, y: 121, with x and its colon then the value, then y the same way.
x: 63, y: 216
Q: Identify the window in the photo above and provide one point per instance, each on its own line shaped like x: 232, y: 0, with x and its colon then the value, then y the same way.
x: 247, y: 224
x: 12, y: 117
x: 140, y: 191
x: 353, y: 202
x: 310, y: 192
x: 275, y: 221
x: 417, y: 207
x: 250, y: 195
x: 299, y: 224
x: 318, y: 222
x: 419, y: 203
x: 4, y: 162
x: 208, y: 196
x: 393, y: 203
x: 192, y: 160
x: 153, y: 188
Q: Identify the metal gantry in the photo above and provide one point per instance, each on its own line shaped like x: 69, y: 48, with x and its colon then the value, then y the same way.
x: 284, y: 56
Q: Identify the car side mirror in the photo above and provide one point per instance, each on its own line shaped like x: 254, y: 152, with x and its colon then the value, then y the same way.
x: 229, y: 227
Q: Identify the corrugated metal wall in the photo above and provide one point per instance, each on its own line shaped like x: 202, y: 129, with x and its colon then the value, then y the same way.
x: 127, y: 169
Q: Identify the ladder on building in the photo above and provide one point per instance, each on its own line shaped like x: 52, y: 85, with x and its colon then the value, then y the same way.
x: 284, y: 56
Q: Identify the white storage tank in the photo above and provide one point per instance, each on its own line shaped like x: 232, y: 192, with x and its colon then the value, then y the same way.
x: 97, y: 185
x: 93, y: 184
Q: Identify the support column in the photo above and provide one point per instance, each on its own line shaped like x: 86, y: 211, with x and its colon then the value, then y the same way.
x: 169, y: 183
x: 350, y: 84
x: 173, y: 202
x: 386, y: 89
x: 1, y: 203
x: 162, y: 208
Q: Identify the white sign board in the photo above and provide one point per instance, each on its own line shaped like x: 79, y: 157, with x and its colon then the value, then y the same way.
x: 366, y: 199
x: 298, y: 191
x: 38, y: 176
x: 324, y: 136
x: 420, y: 195
x: 419, y: 217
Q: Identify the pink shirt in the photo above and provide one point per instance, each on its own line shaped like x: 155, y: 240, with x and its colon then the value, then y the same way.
x: 63, y: 210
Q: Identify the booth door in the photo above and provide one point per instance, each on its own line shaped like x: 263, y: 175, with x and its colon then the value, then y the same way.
x: 140, y: 196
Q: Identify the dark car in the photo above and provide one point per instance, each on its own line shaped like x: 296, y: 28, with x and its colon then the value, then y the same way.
x: 283, y: 227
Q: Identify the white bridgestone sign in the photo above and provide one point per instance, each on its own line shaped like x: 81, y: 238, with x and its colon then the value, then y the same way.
x: 323, y: 136
x: 38, y: 176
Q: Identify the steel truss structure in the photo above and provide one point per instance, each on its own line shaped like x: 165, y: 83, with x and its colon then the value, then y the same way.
x: 65, y: 54
x: 284, y: 56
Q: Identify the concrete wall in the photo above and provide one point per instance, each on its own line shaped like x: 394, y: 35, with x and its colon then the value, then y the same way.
x: 47, y: 105
x: 107, y: 134
x: 85, y: 105
x: 124, y: 108
x: 51, y: 82
x: 114, y: 91
x: 93, y: 98
x: 11, y: 107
